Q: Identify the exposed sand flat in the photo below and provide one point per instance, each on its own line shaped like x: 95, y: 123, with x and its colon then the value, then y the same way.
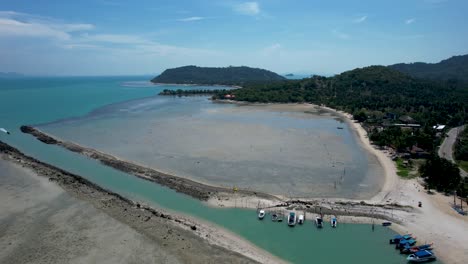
x: 40, y: 223
x: 87, y: 224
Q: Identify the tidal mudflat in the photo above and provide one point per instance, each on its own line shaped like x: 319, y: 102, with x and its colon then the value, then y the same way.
x: 287, y: 150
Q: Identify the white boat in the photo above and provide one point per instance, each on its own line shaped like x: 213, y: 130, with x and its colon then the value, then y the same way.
x: 292, y: 219
x: 5, y: 131
x: 300, y: 219
x: 421, y: 256
x: 261, y: 214
x: 333, y: 222
x: 319, y: 222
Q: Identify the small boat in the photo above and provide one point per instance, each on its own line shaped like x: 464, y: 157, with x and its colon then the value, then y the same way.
x: 333, y: 222
x: 292, y: 219
x: 319, y: 222
x: 261, y: 214
x: 404, y: 242
x: 300, y: 219
x: 407, y: 249
x: 5, y: 131
x: 339, y: 127
x: 422, y: 247
x: 274, y: 217
x: 421, y: 256
x: 396, y: 239
x: 386, y: 224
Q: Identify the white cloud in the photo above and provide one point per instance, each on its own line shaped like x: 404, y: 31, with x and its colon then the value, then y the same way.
x: 248, y: 8
x: 25, y: 25
x: 113, y: 38
x: 410, y: 21
x: 189, y: 19
x: 269, y: 50
x: 340, y: 34
x: 360, y: 19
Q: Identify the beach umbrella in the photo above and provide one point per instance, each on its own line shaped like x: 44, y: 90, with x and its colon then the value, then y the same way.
x: 4, y: 130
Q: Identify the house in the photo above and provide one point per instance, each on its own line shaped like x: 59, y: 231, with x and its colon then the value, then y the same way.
x: 406, y: 119
x: 439, y: 127
x: 417, y: 152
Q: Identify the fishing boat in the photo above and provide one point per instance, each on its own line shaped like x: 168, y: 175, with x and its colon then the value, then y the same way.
x: 333, y: 222
x: 300, y: 219
x: 386, y: 224
x: 274, y: 217
x: 421, y: 256
x: 404, y: 242
x: 407, y: 249
x: 319, y: 222
x: 261, y: 214
x: 396, y: 239
x: 291, y: 219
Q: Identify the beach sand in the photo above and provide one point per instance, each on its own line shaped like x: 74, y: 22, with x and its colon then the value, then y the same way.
x: 41, y: 223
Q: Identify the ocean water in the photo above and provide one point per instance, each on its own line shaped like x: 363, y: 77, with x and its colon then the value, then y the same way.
x: 45, y: 100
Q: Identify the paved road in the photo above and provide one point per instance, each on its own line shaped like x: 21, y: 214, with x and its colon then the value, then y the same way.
x: 446, y: 149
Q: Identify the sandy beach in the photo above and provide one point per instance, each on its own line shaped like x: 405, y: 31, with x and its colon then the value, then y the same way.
x: 168, y: 237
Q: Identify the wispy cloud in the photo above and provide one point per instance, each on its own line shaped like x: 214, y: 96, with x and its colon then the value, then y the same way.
x: 190, y: 19
x: 360, y: 19
x: 340, y: 34
x: 269, y: 50
x: 410, y: 21
x: 25, y: 25
x: 248, y: 8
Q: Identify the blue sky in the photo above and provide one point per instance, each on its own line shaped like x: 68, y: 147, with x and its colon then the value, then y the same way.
x: 117, y: 37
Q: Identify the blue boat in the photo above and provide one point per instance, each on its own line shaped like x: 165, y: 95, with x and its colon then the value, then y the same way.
x: 407, y: 249
x: 421, y: 256
x: 396, y: 239
x: 404, y: 242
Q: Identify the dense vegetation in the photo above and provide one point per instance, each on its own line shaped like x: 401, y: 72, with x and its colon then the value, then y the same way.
x: 440, y: 174
x: 208, y: 75
x: 377, y: 96
x: 455, y: 68
x: 180, y: 92
x: 461, y: 149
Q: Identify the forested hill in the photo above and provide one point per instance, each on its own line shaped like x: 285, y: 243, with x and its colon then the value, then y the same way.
x: 376, y: 90
x: 209, y: 75
x: 454, y: 68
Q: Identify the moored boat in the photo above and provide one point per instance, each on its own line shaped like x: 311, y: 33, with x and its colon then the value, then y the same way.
x: 274, y: 217
x: 291, y: 219
x: 405, y: 242
x: 396, y: 239
x: 386, y: 224
x: 334, y: 222
x: 319, y: 222
x: 261, y: 214
x: 300, y: 219
x: 407, y: 249
x: 421, y: 256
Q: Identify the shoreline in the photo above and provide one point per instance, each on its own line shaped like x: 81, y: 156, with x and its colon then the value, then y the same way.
x: 139, y: 215
x: 197, y: 84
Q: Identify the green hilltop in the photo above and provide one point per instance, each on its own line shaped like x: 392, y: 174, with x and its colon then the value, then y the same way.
x: 211, y: 75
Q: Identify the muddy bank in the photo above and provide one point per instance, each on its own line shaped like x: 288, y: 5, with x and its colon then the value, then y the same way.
x: 181, y: 237
x: 192, y: 188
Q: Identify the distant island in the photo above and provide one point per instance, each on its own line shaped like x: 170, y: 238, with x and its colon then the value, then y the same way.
x: 454, y: 68
x: 211, y: 75
x: 289, y: 75
x: 10, y: 75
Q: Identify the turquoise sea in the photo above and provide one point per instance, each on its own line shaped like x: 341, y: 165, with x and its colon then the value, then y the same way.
x: 45, y: 100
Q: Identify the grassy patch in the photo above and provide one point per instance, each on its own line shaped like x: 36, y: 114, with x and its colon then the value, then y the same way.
x: 463, y: 164
x: 409, y: 169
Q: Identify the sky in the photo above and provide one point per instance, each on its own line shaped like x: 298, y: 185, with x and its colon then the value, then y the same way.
x: 117, y: 37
